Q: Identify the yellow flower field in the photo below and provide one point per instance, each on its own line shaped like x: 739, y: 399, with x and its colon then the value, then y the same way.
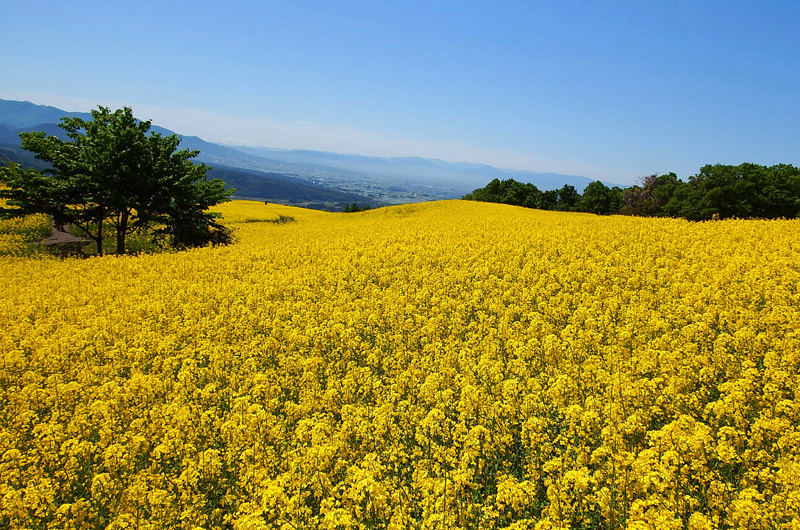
x: 440, y: 365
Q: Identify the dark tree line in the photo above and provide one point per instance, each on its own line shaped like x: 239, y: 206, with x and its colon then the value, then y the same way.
x: 354, y: 208
x: 718, y: 191
x: 597, y: 197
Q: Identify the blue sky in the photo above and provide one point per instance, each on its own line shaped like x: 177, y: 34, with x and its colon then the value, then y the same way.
x: 606, y: 89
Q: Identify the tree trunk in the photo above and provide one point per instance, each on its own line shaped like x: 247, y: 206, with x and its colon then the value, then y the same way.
x: 99, y: 237
x: 122, y: 228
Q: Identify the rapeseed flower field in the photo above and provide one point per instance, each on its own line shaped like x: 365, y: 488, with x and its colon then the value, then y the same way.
x: 434, y: 366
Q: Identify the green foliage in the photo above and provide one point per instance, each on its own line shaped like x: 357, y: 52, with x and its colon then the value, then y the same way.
x: 722, y: 191
x: 651, y: 197
x: 111, y: 172
x: 508, y: 192
x: 747, y: 190
x: 568, y: 198
x: 353, y: 208
x: 717, y: 192
x: 600, y: 199
x: 548, y: 200
x: 282, y: 219
x: 184, y: 217
x: 528, y: 195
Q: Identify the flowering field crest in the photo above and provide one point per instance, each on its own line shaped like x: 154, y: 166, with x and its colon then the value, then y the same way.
x: 440, y: 365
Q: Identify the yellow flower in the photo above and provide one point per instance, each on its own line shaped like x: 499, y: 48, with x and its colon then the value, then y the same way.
x: 441, y: 365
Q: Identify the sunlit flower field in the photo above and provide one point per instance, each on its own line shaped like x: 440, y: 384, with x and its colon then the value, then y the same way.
x: 440, y: 365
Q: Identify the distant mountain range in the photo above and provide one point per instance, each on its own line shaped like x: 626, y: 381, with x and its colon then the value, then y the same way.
x: 460, y: 177
x: 308, y: 178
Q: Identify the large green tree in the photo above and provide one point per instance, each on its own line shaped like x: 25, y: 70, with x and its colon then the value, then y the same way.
x: 114, y: 175
x: 598, y: 198
x: 508, y: 191
x: 651, y: 196
x: 568, y: 197
x: 746, y: 191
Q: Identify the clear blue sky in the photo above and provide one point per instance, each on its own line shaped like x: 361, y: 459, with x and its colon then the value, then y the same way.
x: 606, y: 89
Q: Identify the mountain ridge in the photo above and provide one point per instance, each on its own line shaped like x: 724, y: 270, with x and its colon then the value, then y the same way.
x: 389, y: 180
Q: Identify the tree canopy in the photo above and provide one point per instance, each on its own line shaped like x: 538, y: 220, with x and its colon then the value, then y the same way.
x: 717, y: 191
x: 114, y: 175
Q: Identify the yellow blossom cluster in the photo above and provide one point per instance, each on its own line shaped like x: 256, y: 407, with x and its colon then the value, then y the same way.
x: 440, y: 365
x: 19, y: 235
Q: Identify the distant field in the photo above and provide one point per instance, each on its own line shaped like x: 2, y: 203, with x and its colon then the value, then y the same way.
x: 437, y: 365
